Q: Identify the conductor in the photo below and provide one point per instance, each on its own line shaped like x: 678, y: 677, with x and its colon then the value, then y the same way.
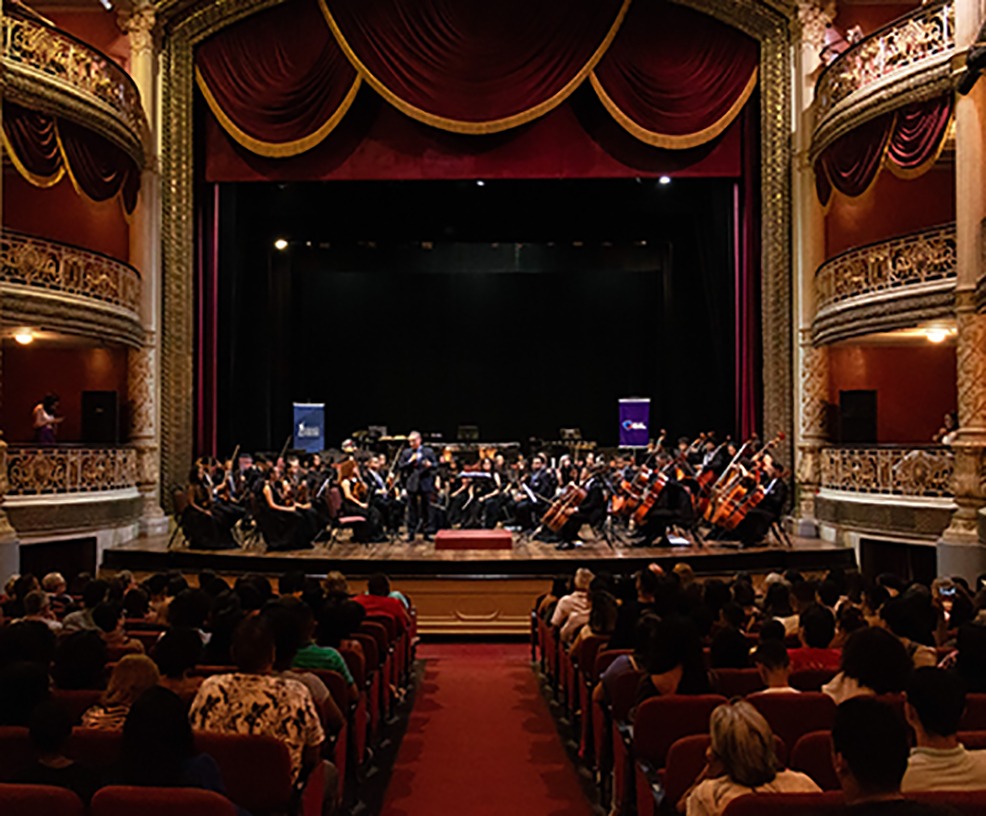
x: 417, y: 466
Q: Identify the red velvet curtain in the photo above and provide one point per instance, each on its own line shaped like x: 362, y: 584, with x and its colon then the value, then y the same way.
x: 278, y: 81
x: 43, y: 147
x: 675, y: 77
x: 907, y: 141
x: 746, y: 286
x: 474, y: 66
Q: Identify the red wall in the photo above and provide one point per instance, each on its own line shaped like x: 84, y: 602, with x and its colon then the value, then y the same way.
x: 61, y: 214
x: 915, y: 385
x: 30, y: 372
x: 890, y: 207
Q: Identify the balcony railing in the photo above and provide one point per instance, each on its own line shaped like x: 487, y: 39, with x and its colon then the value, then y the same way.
x: 38, y: 263
x: 922, y: 34
x: 889, y: 470
x: 39, y: 471
x: 921, y: 257
x: 33, y: 48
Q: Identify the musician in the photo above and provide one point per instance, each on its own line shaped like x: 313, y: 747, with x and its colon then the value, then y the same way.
x: 591, y: 511
x: 356, y: 503
x: 538, y: 491
x: 202, y: 529
x: 418, y: 465
x: 381, y: 494
x: 758, y: 520
x: 483, y: 511
x: 281, y: 524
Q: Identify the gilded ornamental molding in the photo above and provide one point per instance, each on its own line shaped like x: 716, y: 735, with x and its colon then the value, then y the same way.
x: 59, y: 286
x: 37, y: 471
x: 908, y: 60
x: 886, y: 285
x: 49, y: 70
x: 889, y: 470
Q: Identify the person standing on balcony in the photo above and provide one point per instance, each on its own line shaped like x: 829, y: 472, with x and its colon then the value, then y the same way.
x: 45, y: 420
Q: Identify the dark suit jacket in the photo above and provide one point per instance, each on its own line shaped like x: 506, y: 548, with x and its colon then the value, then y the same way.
x: 417, y: 477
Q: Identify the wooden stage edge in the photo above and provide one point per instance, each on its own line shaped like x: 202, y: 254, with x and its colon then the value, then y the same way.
x: 475, y: 592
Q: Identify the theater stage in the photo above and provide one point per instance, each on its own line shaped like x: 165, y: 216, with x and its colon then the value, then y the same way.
x: 476, y: 592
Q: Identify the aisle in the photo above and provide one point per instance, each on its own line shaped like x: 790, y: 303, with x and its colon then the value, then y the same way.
x: 481, y: 740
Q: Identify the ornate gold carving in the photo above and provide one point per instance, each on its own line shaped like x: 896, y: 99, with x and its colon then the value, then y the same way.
x: 141, y: 385
x: 139, y: 24
x: 899, y: 471
x: 814, y: 392
x: 971, y: 369
x: 814, y: 16
x: 27, y: 260
x: 75, y: 71
x: 36, y: 471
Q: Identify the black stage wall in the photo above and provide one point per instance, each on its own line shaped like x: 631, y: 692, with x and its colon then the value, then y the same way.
x: 517, y: 306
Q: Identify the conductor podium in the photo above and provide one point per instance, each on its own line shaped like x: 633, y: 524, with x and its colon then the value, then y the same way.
x: 473, y: 540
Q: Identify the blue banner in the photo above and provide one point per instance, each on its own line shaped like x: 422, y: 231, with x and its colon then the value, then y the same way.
x: 634, y: 422
x: 309, y: 426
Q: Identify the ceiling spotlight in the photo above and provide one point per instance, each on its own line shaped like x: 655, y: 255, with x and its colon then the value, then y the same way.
x: 24, y: 336
x: 281, y: 244
x: 480, y: 183
x: 664, y: 180
x: 936, y: 334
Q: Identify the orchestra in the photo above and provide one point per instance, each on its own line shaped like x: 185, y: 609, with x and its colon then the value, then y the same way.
x: 706, y: 489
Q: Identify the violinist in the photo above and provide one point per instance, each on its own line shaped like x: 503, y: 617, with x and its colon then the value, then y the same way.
x: 356, y: 503
x: 591, y: 511
x: 280, y: 522
x: 538, y: 490
x: 418, y: 465
x: 486, y: 497
x: 199, y: 523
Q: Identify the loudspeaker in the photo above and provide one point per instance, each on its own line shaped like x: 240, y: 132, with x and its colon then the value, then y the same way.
x: 100, y: 417
x: 857, y: 416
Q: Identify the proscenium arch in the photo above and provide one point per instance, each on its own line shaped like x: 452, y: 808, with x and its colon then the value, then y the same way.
x: 184, y: 24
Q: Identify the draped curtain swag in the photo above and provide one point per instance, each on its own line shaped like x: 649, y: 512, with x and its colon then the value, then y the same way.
x: 280, y: 81
x: 44, y: 148
x: 907, y: 141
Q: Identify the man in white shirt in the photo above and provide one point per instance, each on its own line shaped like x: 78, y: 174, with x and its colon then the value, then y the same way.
x: 575, y: 604
x: 934, y: 706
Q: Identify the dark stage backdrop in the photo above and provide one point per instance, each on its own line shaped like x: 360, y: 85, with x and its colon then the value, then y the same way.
x: 517, y: 306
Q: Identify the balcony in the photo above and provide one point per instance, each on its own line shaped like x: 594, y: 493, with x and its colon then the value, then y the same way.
x: 903, y: 491
x: 49, y: 70
x: 69, y: 289
x: 886, y: 285
x: 70, y: 488
x: 908, y: 60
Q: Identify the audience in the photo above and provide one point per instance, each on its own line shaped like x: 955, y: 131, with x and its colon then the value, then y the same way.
x: 816, y: 630
x: 55, y: 585
x: 576, y: 602
x: 79, y: 661
x: 774, y: 666
x: 674, y: 664
x: 378, y: 601
x: 740, y: 759
x: 37, y: 607
x: 873, y: 662
x: 108, y: 617
x: 131, y: 677
x: 176, y: 654
x: 23, y: 687
x: 93, y: 595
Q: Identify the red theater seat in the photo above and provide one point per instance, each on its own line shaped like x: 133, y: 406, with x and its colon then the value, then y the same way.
x: 813, y: 755
x: 661, y: 721
x: 811, y: 679
x: 831, y: 803
x: 16, y: 751
x: 736, y: 682
x: 38, y: 800
x: 791, y: 716
x: 256, y: 770
x: 77, y: 702
x: 127, y: 801
x: 974, y: 718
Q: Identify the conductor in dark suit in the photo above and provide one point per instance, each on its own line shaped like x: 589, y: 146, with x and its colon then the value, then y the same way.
x: 418, y: 465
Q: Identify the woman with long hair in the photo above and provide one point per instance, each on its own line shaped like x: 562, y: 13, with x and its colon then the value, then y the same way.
x: 131, y: 677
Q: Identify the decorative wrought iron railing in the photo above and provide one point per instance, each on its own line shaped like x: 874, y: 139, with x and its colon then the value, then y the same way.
x: 926, y: 32
x: 39, y: 263
x: 38, y: 471
x: 920, y: 257
x: 889, y: 470
x: 43, y: 50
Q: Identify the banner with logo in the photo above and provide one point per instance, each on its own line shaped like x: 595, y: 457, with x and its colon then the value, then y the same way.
x: 634, y: 422
x: 309, y: 426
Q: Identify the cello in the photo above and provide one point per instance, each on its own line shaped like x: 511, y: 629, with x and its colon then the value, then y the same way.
x: 634, y: 490
x: 557, y: 515
x: 735, y: 495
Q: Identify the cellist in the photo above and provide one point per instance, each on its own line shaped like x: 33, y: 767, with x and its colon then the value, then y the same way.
x: 591, y: 511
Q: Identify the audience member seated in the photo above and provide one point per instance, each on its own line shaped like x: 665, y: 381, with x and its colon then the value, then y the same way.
x: 934, y: 707
x: 28, y: 640
x: 816, y: 630
x: 869, y: 748
x: 730, y: 648
x: 377, y: 601
x: 970, y: 663
x: 80, y: 661
x: 740, y: 760
x: 189, y: 609
x: 873, y: 662
x: 774, y: 666
x: 310, y: 655
x: 131, y: 677
x: 37, y: 607
x: 601, y: 623
x: 108, y: 616
x: 23, y: 687
x: 848, y: 620
x: 50, y: 729
x: 576, y: 602
x: 23, y: 585
x: 777, y: 605
x: 56, y: 586
x: 546, y: 606
x: 93, y: 595
x: 255, y: 700
x: 645, y: 638
x: 176, y: 654
x: 902, y: 617
x: 137, y: 605
x: 675, y: 664
x: 338, y: 620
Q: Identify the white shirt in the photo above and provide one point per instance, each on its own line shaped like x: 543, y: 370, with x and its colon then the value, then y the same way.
x: 710, y: 797
x: 578, y: 601
x: 951, y: 769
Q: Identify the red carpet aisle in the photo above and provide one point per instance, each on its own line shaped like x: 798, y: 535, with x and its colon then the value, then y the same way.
x: 481, y: 740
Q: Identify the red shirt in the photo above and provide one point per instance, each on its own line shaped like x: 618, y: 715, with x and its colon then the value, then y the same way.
x: 380, y: 605
x: 807, y: 657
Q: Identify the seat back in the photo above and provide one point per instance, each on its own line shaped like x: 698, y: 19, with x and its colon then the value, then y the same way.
x: 968, y: 803
x: 126, y: 801
x: 813, y: 755
x: 95, y: 748
x: 31, y: 800
x: 371, y: 651
x: 787, y: 804
x: 623, y: 694
x: 586, y: 658
x: 356, y: 663
x: 973, y: 740
x: 77, y: 701
x: 811, y: 679
x: 736, y: 682
x: 791, y: 716
x: 660, y: 721
x: 974, y: 718
x: 379, y: 632
x: 386, y: 622
x: 256, y: 770
x: 179, y: 500
x: 685, y: 761
x: 333, y: 502
x: 605, y: 658
x: 16, y: 751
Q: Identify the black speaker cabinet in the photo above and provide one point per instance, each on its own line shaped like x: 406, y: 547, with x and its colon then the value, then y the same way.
x: 100, y: 417
x: 857, y: 417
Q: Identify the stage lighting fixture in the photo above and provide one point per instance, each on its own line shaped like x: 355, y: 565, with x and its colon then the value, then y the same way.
x: 281, y: 244
x: 480, y: 183
x: 24, y: 336
x: 664, y: 180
